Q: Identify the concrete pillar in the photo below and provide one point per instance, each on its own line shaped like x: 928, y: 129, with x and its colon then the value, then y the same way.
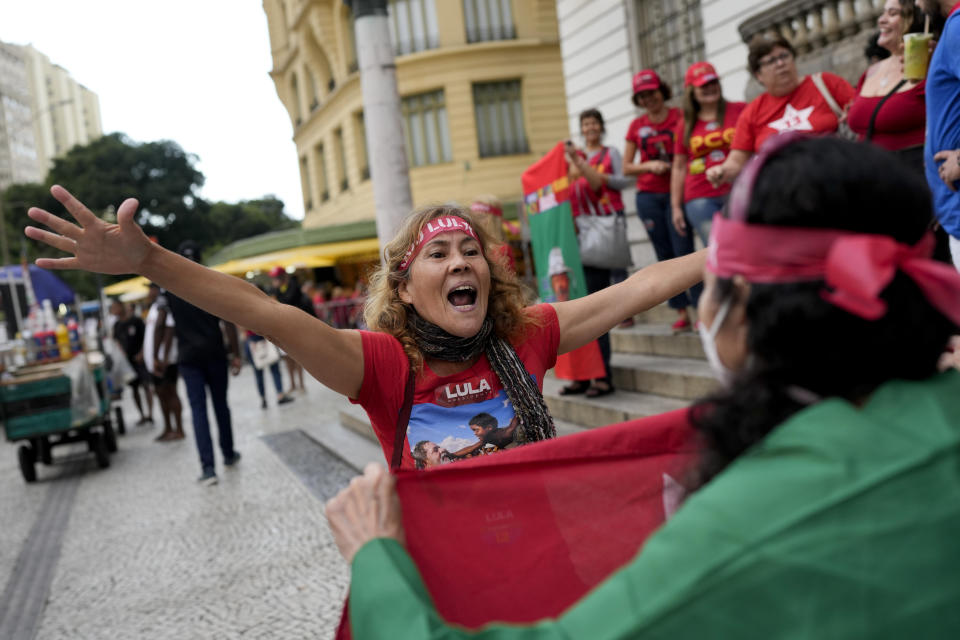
x: 381, y: 107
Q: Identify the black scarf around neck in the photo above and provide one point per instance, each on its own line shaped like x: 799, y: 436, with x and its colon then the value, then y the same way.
x: 535, y: 420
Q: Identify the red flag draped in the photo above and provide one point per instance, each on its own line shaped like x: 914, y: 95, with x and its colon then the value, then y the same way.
x: 564, y: 513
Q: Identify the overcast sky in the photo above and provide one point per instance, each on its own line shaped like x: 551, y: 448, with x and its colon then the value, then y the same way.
x: 192, y: 71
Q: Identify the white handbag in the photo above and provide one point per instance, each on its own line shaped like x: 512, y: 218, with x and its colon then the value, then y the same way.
x: 264, y: 353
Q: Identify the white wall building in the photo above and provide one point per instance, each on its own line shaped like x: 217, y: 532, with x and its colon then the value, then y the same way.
x: 18, y: 152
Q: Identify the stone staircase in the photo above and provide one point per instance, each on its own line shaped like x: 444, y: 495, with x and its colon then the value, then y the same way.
x: 653, y: 370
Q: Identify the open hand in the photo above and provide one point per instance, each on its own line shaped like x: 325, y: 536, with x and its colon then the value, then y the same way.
x: 96, y: 245
x: 367, y: 509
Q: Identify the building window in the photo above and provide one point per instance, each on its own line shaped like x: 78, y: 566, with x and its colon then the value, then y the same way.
x: 499, y: 113
x: 360, y: 140
x: 306, y: 183
x: 488, y: 20
x: 321, y: 164
x: 670, y: 38
x: 425, y: 128
x: 413, y: 26
x: 341, y: 158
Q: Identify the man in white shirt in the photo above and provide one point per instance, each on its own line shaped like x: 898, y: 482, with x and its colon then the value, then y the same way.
x: 160, y: 358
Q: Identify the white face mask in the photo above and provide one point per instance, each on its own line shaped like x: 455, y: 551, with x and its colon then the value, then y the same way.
x: 708, y: 337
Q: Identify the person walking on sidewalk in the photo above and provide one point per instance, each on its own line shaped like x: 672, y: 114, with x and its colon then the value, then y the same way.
x: 160, y: 358
x: 128, y: 331
x: 203, y: 365
x: 269, y: 358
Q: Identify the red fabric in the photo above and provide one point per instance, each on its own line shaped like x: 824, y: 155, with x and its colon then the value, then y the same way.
x: 431, y: 230
x: 768, y: 115
x: 565, y: 513
x: 709, y: 146
x: 585, y: 363
x: 655, y: 141
x: 699, y: 74
x: 605, y: 201
x: 857, y: 267
x: 549, y: 173
x: 901, y: 122
x: 444, y: 403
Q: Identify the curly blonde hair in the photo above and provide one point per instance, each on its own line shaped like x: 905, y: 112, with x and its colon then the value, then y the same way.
x: 385, y: 311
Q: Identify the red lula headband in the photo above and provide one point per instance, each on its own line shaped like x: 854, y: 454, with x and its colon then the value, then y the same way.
x: 433, y: 228
x: 856, y: 267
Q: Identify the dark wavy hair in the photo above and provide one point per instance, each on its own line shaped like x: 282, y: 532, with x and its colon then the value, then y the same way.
x: 795, y: 337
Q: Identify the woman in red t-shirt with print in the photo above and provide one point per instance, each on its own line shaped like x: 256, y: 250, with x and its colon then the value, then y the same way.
x: 653, y: 135
x: 789, y: 104
x: 703, y: 141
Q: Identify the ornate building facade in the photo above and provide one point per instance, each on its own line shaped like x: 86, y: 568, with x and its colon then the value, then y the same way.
x: 481, y: 87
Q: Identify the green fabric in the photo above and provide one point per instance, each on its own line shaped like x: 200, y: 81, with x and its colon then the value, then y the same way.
x: 843, y: 523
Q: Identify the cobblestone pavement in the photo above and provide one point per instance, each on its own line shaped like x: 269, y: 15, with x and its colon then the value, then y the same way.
x: 148, y: 553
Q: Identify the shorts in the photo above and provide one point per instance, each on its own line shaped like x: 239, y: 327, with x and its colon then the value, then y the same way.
x: 169, y: 376
x: 143, y: 376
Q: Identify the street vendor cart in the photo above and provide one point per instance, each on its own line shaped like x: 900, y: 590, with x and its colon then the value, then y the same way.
x: 48, y: 405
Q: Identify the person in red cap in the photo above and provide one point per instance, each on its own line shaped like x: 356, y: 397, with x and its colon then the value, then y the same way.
x: 654, y: 136
x: 811, y: 104
x: 703, y: 141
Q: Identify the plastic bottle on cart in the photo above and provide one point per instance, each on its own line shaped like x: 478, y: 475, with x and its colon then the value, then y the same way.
x: 51, y: 350
x: 35, y: 346
x: 73, y: 335
x: 63, y: 341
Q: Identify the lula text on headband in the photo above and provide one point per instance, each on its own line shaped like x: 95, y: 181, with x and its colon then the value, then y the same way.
x: 433, y: 228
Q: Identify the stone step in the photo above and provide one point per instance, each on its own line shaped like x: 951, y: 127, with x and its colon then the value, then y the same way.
x: 656, y: 340
x: 660, y: 314
x: 355, y: 419
x: 597, y: 412
x: 685, y: 378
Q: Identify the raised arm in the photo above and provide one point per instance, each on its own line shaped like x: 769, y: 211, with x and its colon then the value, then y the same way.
x: 588, y: 318
x: 332, y: 356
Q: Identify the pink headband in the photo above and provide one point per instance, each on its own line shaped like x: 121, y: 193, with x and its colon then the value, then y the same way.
x: 433, y: 228
x: 857, y: 267
x: 482, y: 207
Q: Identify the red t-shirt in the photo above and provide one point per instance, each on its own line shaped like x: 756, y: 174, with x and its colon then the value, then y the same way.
x: 444, y: 405
x: 709, y: 146
x: 802, y: 110
x: 901, y: 122
x: 655, y: 141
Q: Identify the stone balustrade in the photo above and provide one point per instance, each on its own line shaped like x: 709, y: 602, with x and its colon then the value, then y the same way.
x: 814, y: 24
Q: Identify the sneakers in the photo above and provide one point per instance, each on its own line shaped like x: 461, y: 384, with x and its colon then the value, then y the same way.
x: 232, y: 460
x: 208, y: 478
x: 682, y: 324
x: 285, y: 399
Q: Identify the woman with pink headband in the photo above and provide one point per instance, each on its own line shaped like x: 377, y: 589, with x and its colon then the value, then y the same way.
x: 827, y: 502
x: 451, y: 336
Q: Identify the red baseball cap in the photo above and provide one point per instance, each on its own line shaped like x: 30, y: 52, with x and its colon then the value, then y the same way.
x: 646, y: 80
x: 277, y: 271
x: 699, y: 74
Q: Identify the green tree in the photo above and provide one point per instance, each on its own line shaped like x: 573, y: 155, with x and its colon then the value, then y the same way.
x: 162, y: 176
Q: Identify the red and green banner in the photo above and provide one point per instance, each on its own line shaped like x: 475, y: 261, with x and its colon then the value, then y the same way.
x: 556, y: 254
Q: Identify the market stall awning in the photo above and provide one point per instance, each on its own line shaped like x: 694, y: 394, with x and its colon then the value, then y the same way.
x: 136, y: 285
x: 307, y: 257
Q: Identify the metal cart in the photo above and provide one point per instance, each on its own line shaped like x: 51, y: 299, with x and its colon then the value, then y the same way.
x: 35, y: 408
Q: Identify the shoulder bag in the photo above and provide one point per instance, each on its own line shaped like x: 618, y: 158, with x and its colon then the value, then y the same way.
x: 603, y: 239
x: 843, y: 129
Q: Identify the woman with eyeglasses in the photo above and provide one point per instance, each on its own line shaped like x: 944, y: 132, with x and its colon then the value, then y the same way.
x: 790, y: 103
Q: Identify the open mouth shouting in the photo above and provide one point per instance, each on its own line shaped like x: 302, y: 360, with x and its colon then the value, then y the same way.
x: 463, y: 297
